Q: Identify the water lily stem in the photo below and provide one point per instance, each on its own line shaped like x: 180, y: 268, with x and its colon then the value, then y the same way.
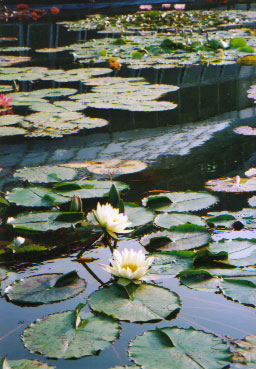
x: 95, y: 239
x: 91, y: 272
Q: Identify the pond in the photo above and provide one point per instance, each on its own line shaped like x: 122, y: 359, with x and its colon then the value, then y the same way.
x: 166, y: 116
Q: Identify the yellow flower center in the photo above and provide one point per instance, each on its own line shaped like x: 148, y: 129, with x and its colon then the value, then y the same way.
x: 132, y: 267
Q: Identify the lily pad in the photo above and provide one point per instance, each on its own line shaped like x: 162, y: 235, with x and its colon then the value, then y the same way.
x: 45, y: 174
x: 35, y: 197
x: 241, y: 289
x: 25, y: 364
x: 7, y: 120
x: 42, y: 221
x: 171, y: 220
x: 113, y: 166
x: 172, y: 262
x: 179, y: 201
x: 201, y: 280
x: 11, y: 131
x: 235, y: 184
x: 45, y: 288
x: 138, y: 215
x: 136, y: 303
x: 84, y: 334
x: 240, y: 252
x: 178, y: 240
x: 179, y: 348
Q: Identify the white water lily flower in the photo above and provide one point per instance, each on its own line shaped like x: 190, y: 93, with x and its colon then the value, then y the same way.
x: 110, y: 220
x: 18, y: 241
x: 129, y: 264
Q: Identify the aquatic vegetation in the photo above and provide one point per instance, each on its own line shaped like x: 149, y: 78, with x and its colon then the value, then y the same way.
x: 111, y: 220
x: 51, y: 211
x: 5, y: 101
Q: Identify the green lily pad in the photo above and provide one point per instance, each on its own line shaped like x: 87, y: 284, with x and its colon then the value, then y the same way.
x: 178, y: 348
x: 53, y: 92
x: 42, y: 221
x: 179, y: 240
x: 175, y: 219
x: 35, y: 197
x: 84, y: 334
x: 45, y: 174
x: 179, y: 201
x: 138, y: 215
x: 241, y: 289
x: 240, y: 253
x: 45, y: 288
x: 136, y: 303
x: 24, y: 364
x: 89, y: 189
x: 10, y: 119
x: 200, y: 280
x: 172, y: 262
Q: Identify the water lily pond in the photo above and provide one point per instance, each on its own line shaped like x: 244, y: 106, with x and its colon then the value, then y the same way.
x: 128, y: 190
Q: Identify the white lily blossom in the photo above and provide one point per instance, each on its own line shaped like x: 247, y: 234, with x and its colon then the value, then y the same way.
x: 18, y: 241
x: 129, y: 264
x: 110, y: 220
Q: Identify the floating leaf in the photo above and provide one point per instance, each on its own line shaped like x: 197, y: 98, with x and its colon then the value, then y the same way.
x: 175, y: 219
x: 178, y: 348
x: 240, y: 253
x: 35, y: 197
x: 172, y: 262
x: 113, y: 166
x: 138, y: 215
x: 200, y: 280
x: 179, y: 201
x: 235, y: 184
x: 178, y: 240
x: 136, y: 303
x: 241, y: 289
x: 40, y: 221
x: 11, y: 131
x: 7, y: 120
x: 45, y: 288
x: 92, y: 334
x: 45, y: 174
x: 26, y: 364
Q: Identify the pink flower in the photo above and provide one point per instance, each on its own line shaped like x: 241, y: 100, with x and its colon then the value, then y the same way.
x: 179, y: 6
x: 166, y: 6
x: 145, y: 7
x: 5, y: 101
